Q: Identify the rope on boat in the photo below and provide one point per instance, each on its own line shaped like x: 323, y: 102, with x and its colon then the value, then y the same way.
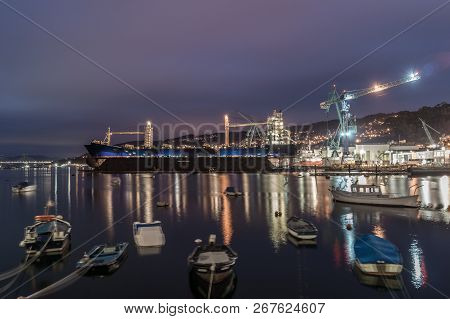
x: 213, y: 268
x: 13, y: 272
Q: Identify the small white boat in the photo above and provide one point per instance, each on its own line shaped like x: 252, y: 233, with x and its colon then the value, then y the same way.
x: 372, y: 195
x: 23, y: 188
x: 231, y: 191
x: 162, y: 204
x: 301, y: 229
x: 149, y: 234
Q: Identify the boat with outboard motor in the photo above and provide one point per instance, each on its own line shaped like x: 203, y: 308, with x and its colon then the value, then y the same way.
x: 23, y: 187
x: 104, y: 257
x: 301, y: 229
x: 372, y: 195
x: 50, y: 234
x: 212, y: 262
x: 377, y: 256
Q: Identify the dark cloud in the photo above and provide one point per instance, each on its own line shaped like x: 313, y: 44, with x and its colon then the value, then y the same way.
x: 200, y: 59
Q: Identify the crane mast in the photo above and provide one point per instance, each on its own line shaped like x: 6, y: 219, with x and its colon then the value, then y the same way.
x: 347, y: 122
x: 427, y: 132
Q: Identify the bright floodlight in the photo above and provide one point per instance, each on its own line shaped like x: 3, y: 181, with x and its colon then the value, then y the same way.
x: 414, y: 76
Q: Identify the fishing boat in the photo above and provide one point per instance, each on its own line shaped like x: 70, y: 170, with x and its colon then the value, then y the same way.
x: 23, y: 187
x: 231, y: 191
x: 372, y: 195
x: 104, y: 257
x: 377, y: 256
x: 148, y: 234
x: 212, y: 262
x: 50, y: 235
x: 301, y: 229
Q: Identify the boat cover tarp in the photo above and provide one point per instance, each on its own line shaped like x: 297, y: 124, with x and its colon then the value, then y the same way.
x: 370, y: 249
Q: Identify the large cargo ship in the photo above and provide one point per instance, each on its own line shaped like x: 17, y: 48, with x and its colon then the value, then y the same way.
x: 107, y: 158
x: 184, y: 158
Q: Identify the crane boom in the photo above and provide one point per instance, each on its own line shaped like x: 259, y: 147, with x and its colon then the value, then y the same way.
x: 427, y: 131
x: 355, y: 94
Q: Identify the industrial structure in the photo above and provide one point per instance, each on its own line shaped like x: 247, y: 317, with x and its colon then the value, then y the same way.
x: 148, y: 135
x: 346, y: 130
x: 273, y: 132
x: 426, y: 128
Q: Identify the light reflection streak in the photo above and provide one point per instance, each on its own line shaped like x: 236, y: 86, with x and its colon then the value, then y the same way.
x: 247, y: 194
x: 68, y: 190
x: 349, y: 236
x: 444, y: 192
x: 226, y: 221
x: 108, y: 205
x: 55, y: 185
x: 137, y: 186
x: 276, y: 201
x: 419, y: 274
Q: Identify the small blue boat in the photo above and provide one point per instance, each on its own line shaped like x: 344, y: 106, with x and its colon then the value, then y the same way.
x: 103, y: 257
x: 377, y: 256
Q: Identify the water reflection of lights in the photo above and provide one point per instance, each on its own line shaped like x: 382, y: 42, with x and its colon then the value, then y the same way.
x: 425, y: 195
x: 246, y: 192
x: 444, y: 192
x: 434, y: 216
x: 148, y: 199
x: 419, y: 274
x: 68, y: 190
x: 276, y: 201
x: 347, y: 219
x: 226, y: 220
x: 109, y: 209
x: 55, y: 185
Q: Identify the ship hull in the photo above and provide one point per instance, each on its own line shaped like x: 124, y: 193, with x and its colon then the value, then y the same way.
x: 347, y: 197
x: 181, y: 164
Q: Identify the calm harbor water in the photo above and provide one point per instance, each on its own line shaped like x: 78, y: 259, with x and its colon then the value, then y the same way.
x: 270, y: 264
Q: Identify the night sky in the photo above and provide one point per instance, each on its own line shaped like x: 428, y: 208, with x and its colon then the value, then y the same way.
x: 201, y: 59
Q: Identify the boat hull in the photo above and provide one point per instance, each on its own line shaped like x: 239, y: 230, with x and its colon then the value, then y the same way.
x: 429, y: 171
x: 216, y: 276
x: 181, y: 164
x: 52, y: 248
x: 379, y: 269
x: 347, y: 197
x: 302, y: 236
x: 27, y: 189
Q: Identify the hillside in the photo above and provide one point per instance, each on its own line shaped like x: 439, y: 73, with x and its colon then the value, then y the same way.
x: 382, y: 128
